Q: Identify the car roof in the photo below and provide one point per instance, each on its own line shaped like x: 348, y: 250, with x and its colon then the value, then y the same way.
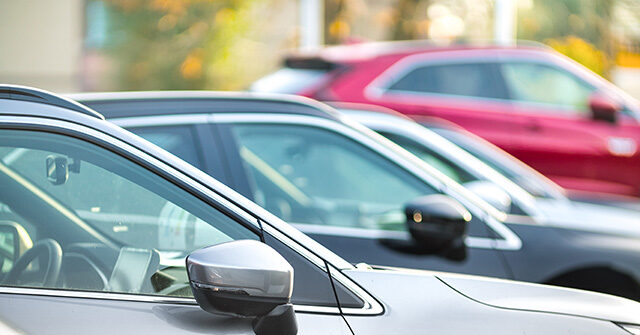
x: 57, y: 106
x: 153, y: 103
x: 363, y: 51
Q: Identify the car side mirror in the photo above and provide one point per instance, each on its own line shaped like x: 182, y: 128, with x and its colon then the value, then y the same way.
x: 603, y: 108
x: 438, y: 224
x: 244, y: 278
x: 57, y: 169
x: 491, y: 193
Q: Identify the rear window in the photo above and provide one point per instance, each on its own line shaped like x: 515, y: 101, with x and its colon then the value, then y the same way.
x: 289, y: 80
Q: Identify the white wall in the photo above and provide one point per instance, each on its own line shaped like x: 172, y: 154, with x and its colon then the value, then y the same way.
x: 41, y: 43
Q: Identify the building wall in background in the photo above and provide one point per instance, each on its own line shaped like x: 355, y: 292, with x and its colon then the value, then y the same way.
x: 41, y: 43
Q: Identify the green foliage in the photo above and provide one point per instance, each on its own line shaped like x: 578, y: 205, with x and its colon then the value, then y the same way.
x: 583, y: 52
x: 579, y: 29
x: 173, y: 44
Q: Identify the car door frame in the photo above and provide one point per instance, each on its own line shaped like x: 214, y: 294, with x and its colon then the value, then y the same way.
x: 214, y: 194
x: 506, y: 240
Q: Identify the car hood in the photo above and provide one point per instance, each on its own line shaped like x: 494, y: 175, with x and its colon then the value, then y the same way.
x: 591, y: 217
x: 544, y: 298
x: 513, y: 295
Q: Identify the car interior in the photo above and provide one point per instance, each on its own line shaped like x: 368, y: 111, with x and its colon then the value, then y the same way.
x: 78, y: 217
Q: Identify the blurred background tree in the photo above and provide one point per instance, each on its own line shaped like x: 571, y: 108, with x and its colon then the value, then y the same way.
x: 226, y: 44
x: 591, y: 32
x: 172, y: 44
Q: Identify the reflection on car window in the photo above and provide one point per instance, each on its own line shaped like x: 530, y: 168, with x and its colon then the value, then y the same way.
x: 500, y: 161
x: 121, y: 227
x: 178, y: 140
x: 309, y: 175
x: 437, y: 161
x: 541, y: 83
x: 471, y: 80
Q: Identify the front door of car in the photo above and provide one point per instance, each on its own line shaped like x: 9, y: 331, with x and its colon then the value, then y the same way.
x: 109, y: 240
x: 559, y: 137
x: 466, y: 92
x: 342, y: 193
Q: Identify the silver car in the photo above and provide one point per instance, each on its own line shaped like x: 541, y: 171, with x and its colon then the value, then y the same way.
x: 102, y: 232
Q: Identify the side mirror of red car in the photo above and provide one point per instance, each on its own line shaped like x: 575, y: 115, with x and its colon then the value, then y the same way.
x: 603, y: 108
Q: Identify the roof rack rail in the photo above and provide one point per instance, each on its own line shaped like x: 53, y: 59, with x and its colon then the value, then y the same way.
x: 24, y: 93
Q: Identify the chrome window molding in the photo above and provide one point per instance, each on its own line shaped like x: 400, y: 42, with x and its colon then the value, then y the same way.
x: 371, y: 305
x: 115, y: 296
x: 509, y: 241
x: 160, y: 120
x: 48, y: 292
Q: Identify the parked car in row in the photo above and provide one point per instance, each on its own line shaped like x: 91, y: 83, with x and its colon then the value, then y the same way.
x: 350, y: 189
x: 110, y: 218
x: 517, y: 171
x: 542, y: 202
x: 545, y: 109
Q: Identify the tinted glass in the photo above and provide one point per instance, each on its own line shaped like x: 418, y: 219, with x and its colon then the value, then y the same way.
x: 472, y: 80
x: 516, y: 171
x: 312, y: 285
x: 314, y: 176
x: 541, y: 83
x: 121, y: 227
x: 444, y: 165
x: 178, y: 140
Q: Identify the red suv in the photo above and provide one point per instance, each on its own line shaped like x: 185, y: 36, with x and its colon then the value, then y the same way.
x: 549, y: 111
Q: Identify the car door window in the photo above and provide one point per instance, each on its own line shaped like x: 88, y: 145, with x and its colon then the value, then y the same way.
x: 309, y: 175
x: 439, y: 162
x: 120, y: 227
x: 314, y: 176
x: 179, y: 140
x: 461, y: 79
x: 541, y: 83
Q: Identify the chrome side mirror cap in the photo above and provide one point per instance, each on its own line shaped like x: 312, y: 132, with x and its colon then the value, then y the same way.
x: 244, y: 278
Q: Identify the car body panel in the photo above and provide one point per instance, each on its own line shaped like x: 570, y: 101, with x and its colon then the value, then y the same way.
x: 510, y: 295
x: 434, y: 290
x: 92, y: 316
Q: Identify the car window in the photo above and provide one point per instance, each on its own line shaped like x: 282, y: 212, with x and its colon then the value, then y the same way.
x: 178, y: 140
x: 499, y: 161
x: 121, y: 228
x: 314, y: 176
x: 463, y: 79
x: 444, y: 165
x: 540, y: 83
